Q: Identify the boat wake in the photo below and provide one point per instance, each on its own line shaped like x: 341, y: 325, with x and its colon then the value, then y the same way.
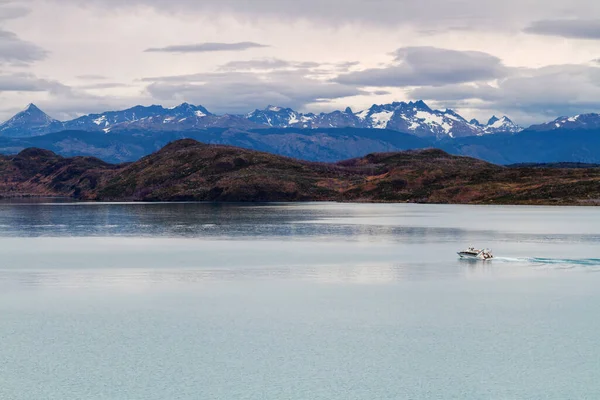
x: 557, y: 263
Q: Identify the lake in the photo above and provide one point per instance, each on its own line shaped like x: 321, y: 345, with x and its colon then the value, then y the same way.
x: 297, y: 301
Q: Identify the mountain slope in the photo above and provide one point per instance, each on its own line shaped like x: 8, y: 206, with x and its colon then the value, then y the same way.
x: 314, y: 144
x: 501, y: 125
x: 577, y: 122
x: 30, y: 122
x: 37, y: 172
x: 328, y: 145
x: 561, y: 145
x: 189, y: 170
x: 151, y: 117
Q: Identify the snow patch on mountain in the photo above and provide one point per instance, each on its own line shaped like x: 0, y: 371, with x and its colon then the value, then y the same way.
x: 381, y: 119
x: 497, y: 125
x: 579, y: 122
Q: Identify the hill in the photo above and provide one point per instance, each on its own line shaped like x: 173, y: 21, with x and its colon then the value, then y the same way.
x: 189, y: 170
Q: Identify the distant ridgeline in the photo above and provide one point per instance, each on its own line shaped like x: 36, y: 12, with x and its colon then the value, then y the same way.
x: 127, y: 135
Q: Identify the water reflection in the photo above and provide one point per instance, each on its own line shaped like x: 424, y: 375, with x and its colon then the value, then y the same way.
x: 414, y: 223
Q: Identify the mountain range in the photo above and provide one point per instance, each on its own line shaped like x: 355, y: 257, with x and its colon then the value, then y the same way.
x: 415, y: 118
x: 128, y: 135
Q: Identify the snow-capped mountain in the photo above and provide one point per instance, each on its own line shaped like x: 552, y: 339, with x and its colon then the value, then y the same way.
x: 140, y: 116
x: 412, y: 117
x: 415, y: 118
x: 497, y: 125
x: 279, y: 117
x: 582, y: 121
x: 30, y: 122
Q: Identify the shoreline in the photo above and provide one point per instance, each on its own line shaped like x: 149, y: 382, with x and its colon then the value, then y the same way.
x: 6, y: 200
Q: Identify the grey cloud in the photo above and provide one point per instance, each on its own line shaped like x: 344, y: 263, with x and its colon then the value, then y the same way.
x: 266, y: 64
x: 9, y: 12
x: 237, y: 92
x: 568, y: 28
x: 206, y: 47
x: 269, y: 63
x: 16, y: 51
x: 103, y: 85
x: 92, y: 77
x: 22, y: 82
x: 76, y: 104
x: 381, y: 92
x: 534, y: 94
x: 429, y: 66
x: 457, y: 92
x: 347, y: 64
x: 424, y: 14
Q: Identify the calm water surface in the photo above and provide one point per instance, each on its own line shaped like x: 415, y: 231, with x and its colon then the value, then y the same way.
x: 297, y: 301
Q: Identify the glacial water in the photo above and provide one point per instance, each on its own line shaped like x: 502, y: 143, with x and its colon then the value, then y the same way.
x: 297, y: 301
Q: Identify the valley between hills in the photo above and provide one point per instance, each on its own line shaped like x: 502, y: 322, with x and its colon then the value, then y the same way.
x: 187, y: 170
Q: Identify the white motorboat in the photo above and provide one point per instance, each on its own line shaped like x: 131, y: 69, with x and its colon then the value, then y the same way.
x: 476, y: 254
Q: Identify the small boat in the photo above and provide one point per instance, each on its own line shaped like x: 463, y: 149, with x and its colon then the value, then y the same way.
x: 476, y: 254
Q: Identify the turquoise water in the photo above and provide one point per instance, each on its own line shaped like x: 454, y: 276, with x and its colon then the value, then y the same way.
x: 305, y: 301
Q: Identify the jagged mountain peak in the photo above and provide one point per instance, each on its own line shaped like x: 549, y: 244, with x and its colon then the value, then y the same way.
x: 450, y: 111
x: 29, y: 113
x: 198, y: 111
x: 503, y: 124
x: 420, y: 104
x: 493, y: 120
x: 33, y: 111
x: 32, y: 107
x: 32, y: 121
x: 418, y: 119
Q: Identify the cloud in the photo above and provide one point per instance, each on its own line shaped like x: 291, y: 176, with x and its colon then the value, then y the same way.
x: 429, y: 66
x: 347, y: 64
x: 536, y: 94
x: 567, y: 28
x: 267, y: 64
x: 8, y: 12
x: 424, y: 14
x: 262, y: 64
x: 312, y: 68
x: 16, y: 51
x: 238, y: 92
x: 206, y: 47
x: 25, y: 82
x: 104, y: 85
x: 381, y: 92
x: 91, y: 77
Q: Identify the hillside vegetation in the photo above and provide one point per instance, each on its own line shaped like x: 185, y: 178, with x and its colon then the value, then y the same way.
x: 193, y: 171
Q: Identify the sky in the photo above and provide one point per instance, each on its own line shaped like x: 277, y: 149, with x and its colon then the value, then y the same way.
x: 533, y: 60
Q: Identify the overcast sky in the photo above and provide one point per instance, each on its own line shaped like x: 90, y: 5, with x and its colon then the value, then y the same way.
x: 532, y: 60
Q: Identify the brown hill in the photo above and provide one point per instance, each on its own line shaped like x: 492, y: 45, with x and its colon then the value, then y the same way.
x: 189, y: 170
